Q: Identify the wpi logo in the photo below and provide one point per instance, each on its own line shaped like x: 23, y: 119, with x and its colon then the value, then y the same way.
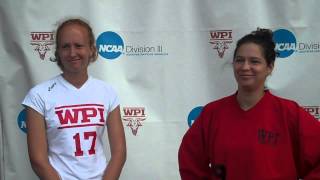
x: 22, y: 121
x: 134, y: 116
x: 80, y: 115
x: 110, y: 45
x: 313, y: 110
x: 42, y: 42
x: 286, y: 42
x: 194, y: 114
x: 220, y: 39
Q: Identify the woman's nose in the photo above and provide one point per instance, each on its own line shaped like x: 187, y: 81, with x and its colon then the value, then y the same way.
x: 246, y: 65
x: 72, y: 51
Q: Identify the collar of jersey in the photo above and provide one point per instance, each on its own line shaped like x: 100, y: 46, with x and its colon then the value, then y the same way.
x: 72, y: 87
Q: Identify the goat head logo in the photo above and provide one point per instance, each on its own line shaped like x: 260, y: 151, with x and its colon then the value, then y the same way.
x: 42, y: 48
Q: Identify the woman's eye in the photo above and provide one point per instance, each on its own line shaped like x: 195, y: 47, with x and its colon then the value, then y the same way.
x: 79, y: 45
x: 239, y: 60
x: 255, y: 61
x: 65, y: 46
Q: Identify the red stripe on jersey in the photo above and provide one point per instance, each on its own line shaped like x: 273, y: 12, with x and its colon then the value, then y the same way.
x: 80, y: 125
x: 79, y: 105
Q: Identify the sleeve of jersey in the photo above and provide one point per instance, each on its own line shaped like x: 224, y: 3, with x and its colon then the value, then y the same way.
x: 309, y: 134
x: 193, y: 156
x: 34, y: 101
x: 114, y: 99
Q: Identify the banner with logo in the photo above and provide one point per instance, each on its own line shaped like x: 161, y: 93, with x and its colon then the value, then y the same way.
x: 166, y: 59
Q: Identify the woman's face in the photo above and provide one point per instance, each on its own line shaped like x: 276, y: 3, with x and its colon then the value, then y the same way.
x: 74, y: 48
x: 250, y: 67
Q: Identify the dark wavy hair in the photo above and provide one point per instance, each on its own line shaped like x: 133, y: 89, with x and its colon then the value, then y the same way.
x: 263, y: 38
x: 91, y: 37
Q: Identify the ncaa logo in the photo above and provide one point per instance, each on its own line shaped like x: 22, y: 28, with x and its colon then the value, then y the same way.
x: 22, y: 121
x: 285, y: 42
x: 110, y: 45
x: 194, y: 114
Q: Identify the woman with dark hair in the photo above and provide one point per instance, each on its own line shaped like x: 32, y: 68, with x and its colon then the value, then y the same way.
x: 67, y: 115
x: 252, y: 134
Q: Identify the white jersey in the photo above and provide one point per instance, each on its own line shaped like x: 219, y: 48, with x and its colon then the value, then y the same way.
x: 75, y: 120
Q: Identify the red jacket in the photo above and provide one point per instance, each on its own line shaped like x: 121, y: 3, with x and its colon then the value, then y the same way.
x: 274, y: 140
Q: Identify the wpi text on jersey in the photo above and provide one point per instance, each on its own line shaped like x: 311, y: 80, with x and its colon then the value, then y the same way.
x: 80, y: 115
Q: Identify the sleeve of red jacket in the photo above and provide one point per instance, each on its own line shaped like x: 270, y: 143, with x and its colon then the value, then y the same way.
x: 193, y: 156
x: 309, y: 134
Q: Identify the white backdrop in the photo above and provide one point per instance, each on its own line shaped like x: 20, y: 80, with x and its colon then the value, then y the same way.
x: 162, y: 87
